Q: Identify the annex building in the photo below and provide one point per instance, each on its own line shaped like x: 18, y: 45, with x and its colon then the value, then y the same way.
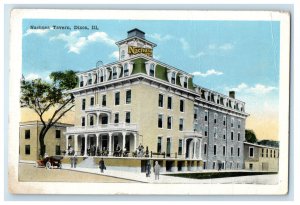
x: 140, y: 101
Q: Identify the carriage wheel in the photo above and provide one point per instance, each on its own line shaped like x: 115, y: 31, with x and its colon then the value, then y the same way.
x: 48, y: 165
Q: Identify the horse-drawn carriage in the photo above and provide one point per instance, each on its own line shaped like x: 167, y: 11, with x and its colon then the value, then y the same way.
x: 50, y: 162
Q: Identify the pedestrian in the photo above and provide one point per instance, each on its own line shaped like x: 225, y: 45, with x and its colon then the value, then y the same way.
x: 148, y: 168
x: 156, y: 170
x: 102, y: 165
x: 72, y: 161
x: 75, y: 160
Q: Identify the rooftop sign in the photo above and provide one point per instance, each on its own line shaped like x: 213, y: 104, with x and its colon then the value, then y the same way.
x: 133, y: 50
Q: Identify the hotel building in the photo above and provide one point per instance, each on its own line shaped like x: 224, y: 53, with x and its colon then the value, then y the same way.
x: 139, y: 100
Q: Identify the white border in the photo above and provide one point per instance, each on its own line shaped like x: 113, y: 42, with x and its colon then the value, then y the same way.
x: 124, y: 188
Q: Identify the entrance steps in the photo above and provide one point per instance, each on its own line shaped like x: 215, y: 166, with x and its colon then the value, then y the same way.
x: 88, y: 163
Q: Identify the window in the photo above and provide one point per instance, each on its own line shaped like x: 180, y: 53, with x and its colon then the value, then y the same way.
x: 224, y: 150
x: 127, y: 117
x: 205, y: 131
x: 195, y: 114
x: 114, y: 74
x: 90, y: 79
x: 101, y: 76
x: 185, y: 83
x: 27, y: 149
x: 116, y: 118
x: 103, y: 100
x: 239, y: 123
x: 27, y: 134
x: 180, y: 147
x: 117, y: 98
x: 169, y: 102
x: 267, y: 153
x: 206, y: 116
x: 57, y: 134
x: 126, y: 71
x: 160, y: 121
x: 159, y: 144
x: 168, y: 151
x: 83, y: 104
x: 81, y: 81
x: 239, y: 136
x: 262, y: 152
x: 128, y: 96
x: 83, y: 121
x: 152, y: 70
x: 173, y: 78
x: 92, y: 101
x: 224, y: 120
x: 215, y: 118
x: 231, y: 135
x: 215, y: 150
x: 57, y: 150
x: 169, y: 122
x: 271, y: 153
x: 182, y: 107
x: 232, y: 122
x: 160, y: 100
x: 231, y: 151
x: 181, y: 124
x: 238, y: 152
x: 215, y: 132
x: 251, y: 152
x: 224, y: 134
x: 122, y: 54
x: 91, y: 120
x: 204, y: 165
x: 251, y: 166
x: 205, y: 149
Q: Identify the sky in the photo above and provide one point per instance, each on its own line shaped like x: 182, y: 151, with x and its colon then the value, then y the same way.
x: 222, y: 55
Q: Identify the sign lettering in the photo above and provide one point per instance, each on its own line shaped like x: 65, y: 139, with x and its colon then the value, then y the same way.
x: 137, y: 50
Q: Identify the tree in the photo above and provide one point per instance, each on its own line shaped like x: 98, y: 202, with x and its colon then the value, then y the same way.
x: 250, y: 136
x: 41, y: 96
x: 271, y: 143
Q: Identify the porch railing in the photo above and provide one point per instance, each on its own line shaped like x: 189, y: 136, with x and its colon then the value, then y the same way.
x: 103, y: 127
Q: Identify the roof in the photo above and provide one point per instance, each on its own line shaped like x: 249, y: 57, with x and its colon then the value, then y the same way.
x: 262, y: 146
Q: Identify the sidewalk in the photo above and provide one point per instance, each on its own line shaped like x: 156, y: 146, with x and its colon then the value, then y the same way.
x: 163, y: 179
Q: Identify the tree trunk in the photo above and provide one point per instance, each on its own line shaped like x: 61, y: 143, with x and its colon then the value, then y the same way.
x: 42, y: 144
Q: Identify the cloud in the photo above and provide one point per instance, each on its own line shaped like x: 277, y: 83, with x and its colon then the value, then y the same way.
x: 160, y: 37
x: 184, y: 44
x: 225, y: 46
x: 207, y: 73
x: 33, y: 76
x: 256, y: 89
x: 75, y: 43
x: 39, y: 32
x: 197, y: 55
x: 115, y: 55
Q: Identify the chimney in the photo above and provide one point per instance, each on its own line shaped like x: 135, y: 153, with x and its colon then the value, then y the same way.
x: 232, y: 94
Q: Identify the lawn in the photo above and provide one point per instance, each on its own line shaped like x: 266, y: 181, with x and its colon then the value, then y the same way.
x: 218, y: 174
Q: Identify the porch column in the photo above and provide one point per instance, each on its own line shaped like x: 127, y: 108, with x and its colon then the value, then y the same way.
x: 97, y: 140
x: 134, y: 143
x: 195, y: 147
x: 85, y: 144
x: 200, y: 144
x: 110, y: 143
x: 124, y: 140
x: 67, y: 142
x: 76, y: 143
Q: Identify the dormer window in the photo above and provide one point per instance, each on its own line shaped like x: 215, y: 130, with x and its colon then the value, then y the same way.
x: 126, y: 71
x: 90, y: 79
x: 185, y: 83
x: 152, y: 70
x: 173, y: 78
x: 122, y: 54
x: 101, y: 76
x: 81, y: 81
x: 114, y: 73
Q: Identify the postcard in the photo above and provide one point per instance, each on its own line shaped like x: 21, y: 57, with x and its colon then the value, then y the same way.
x: 149, y: 102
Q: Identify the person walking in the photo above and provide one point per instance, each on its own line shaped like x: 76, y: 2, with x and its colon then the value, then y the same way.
x: 102, y: 165
x: 72, y: 161
x: 156, y: 170
x: 148, y: 168
x: 75, y: 161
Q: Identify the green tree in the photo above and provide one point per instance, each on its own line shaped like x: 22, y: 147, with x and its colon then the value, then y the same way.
x: 41, y: 96
x: 250, y: 136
